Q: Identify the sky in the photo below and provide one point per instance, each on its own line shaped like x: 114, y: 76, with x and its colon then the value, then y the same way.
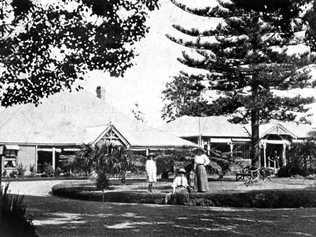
x: 155, y: 65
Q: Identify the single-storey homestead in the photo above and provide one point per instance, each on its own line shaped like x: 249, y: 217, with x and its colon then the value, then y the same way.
x: 218, y: 133
x: 57, y: 128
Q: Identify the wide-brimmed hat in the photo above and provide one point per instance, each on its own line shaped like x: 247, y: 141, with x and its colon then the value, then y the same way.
x: 198, y: 151
x: 181, y: 171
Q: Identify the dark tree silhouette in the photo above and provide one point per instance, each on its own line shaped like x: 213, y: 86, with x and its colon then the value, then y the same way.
x: 46, y: 48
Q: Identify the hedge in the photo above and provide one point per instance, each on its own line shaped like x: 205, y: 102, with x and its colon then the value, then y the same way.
x: 251, y: 199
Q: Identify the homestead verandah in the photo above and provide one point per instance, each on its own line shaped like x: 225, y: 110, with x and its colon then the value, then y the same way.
x: 55, y: 154
x: 216, y: 132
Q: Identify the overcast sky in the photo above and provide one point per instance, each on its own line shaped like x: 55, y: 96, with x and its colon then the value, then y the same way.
x: 155, y: 65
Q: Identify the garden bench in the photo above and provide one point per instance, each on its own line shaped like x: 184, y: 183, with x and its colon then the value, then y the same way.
x: 243, y: 174
x: 253, y: 175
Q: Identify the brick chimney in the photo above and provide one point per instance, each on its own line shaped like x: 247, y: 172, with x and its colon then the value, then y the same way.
x: 100, y: 92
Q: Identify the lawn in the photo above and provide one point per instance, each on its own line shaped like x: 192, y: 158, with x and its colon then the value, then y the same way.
x: 62, y: 217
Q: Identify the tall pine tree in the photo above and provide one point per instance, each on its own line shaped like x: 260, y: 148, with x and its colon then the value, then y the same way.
x: 246, y: 63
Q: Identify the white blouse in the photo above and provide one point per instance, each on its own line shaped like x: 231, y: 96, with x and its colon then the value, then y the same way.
x: 201, y: 160
x: 180, y: 181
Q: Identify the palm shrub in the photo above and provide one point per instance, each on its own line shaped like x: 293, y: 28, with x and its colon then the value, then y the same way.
x: 84, y: 161
x: 13, y: 221
x: 107, y: 160
x: 112, y: 161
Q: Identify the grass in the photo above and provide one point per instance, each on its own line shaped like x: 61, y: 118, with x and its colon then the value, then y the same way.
x: 64, y: 217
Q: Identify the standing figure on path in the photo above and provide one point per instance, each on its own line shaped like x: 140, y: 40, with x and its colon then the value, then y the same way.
x: 151, y: 170
x: 200, y: 161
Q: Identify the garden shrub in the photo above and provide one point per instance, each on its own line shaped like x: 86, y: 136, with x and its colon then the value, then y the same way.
x: 33, y: 170
x: 20, y: 170
x: 84, y: 161
x: 300, y: 158
x: 165, y: 165
x: 48, y: 170
x: 13, y: 174
x: 256, y: 198
x: 14, y: 222
x: 102, y: 180
x: 293, y: 169
x: 57, y: 172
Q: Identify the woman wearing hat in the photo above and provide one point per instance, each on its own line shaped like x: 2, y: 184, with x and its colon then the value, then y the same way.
x: 180, y: 182
x: 180, y: 193
x: 200, y: 161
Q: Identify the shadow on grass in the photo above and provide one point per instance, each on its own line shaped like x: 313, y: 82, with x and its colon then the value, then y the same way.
x: 65, y: 217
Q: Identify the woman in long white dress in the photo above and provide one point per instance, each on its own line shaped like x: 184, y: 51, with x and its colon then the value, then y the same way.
x: 200, y: 161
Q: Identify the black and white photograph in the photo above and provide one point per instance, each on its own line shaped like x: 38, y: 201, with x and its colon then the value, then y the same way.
x: 132, y: 118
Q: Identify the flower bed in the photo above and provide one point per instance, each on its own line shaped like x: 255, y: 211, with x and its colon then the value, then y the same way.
x: 292, y: 198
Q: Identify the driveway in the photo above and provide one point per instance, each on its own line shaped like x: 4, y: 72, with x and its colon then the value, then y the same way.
x: 60, y: 217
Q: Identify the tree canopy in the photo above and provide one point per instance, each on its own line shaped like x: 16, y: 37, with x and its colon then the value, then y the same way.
x: 45, y: 47
x: 244, y: 63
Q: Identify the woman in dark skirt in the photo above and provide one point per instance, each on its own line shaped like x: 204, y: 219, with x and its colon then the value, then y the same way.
x: 200, y: 161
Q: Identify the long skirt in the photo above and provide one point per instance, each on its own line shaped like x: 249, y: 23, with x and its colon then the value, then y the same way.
x: 201, y: 179
x: 180, y: 197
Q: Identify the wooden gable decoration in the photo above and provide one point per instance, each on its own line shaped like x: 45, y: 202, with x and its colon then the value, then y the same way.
x: 112, y: 136
x: 279, y: 129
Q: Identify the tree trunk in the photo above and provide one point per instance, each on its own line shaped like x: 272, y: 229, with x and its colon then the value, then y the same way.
x: 255, y: 120
x: 255, y: 150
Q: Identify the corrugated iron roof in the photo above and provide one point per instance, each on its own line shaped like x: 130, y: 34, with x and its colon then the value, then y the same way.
x: 212, y: 126
x: 219, y: 126
x: 75, y: 118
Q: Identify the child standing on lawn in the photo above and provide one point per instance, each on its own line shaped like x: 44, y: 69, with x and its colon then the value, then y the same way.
x: 151, y: 170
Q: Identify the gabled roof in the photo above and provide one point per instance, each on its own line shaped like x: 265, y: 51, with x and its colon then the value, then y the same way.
x: 212, y: 126
x: 292, y: 129
x: 74, y: 119
x: 218, y: 126
x: 276, y: 129
x: 141, y: 136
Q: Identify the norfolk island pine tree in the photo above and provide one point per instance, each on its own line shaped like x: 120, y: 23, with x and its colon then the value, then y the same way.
x: 246, y: 61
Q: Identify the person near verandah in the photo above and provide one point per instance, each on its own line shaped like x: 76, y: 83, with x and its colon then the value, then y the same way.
x: 200, y: 161
x: 151, y: 171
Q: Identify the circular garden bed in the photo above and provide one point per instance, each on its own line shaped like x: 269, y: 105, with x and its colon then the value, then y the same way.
x: 290, y: 198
